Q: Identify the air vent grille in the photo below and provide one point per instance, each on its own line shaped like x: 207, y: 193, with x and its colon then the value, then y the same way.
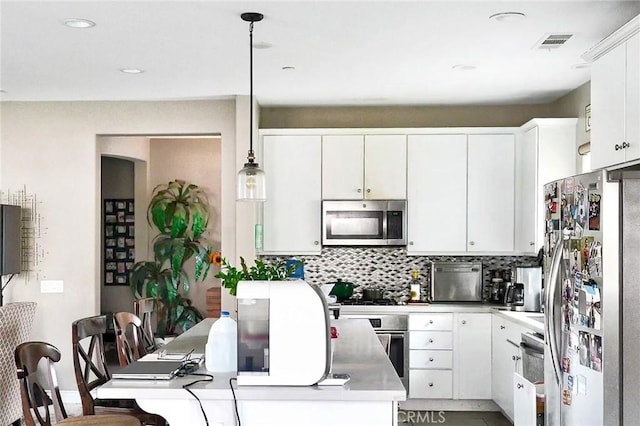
x: 552, y: 41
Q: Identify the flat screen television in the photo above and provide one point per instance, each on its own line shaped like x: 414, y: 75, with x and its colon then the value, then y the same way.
x: 10, y: 239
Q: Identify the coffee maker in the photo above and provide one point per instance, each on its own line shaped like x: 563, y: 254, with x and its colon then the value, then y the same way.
x: 530, y: 277
x: 515, y: 297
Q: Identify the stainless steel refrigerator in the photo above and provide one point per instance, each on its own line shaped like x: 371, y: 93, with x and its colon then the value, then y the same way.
x: 592, y: 299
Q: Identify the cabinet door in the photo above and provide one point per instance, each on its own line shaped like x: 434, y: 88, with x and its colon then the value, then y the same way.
x: 524, y: 401
x: 385, y: 167
x: 632, y: 122
x: 490, y: 193
x: 472, y: 356
x: 607, y: 108
x: 437, y: 193
x: 342, y: 167
x: 526, y: 192
x: 291, y: 214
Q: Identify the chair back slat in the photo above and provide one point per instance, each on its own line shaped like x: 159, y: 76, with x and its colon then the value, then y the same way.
x: 128, y: 328
x: 33, y: 391
x: 144, y: 308
x: 89, y: 364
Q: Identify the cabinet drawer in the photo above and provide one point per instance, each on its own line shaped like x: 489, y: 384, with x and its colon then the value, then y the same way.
x: 430, y: 340
x: 440, y: 322
x: 442, y: 360
x: 431, y: 384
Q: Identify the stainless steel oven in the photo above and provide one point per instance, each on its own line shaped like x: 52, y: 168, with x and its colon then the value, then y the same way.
x: 396, y: 326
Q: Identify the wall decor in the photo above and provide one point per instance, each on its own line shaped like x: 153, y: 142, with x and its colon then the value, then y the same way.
x: 119, y: 240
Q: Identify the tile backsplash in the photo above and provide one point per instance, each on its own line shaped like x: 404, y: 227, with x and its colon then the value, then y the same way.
x: 388, y: 268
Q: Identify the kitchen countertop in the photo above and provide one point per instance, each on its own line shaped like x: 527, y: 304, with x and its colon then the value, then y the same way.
x: 415, y: 308
x: 527, y: 319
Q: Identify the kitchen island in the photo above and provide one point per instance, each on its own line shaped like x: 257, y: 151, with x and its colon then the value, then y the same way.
x: 369, y: 398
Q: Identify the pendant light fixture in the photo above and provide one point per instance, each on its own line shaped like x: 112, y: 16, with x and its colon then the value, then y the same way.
x: 251, y: 179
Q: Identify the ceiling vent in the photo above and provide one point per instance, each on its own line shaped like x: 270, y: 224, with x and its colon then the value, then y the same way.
x: 552, y: 41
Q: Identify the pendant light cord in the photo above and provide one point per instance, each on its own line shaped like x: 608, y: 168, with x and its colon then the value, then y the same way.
x: 251, y: 155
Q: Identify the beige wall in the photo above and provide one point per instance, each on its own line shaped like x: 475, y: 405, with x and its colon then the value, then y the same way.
x: 51, y: 148
x: 197, y: 161
x: 379, y: 117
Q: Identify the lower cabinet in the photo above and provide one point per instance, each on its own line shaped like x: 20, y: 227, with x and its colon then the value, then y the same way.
x: 506, y: 360
x: 450, y: 356
x: 524, y: 402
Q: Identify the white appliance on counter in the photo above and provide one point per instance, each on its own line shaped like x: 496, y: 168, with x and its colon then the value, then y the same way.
x: 592, y: 294
x: 284, y: 335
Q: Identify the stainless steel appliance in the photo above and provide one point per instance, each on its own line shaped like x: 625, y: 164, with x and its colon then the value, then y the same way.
x: 514, y: 296
x: 456, y: 282
x: 364, y: 223
x: 592, y: 294
x: 532, y: 346
x: 531, y: 279
x: 396, y: 326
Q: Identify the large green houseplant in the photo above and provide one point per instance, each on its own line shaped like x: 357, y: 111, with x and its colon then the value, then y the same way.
x: 180, y: 213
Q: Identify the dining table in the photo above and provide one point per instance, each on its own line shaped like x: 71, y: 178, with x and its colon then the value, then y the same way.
x: 369, y: 398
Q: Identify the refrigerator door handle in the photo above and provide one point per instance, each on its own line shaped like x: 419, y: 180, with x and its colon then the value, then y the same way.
x: 549, y: 324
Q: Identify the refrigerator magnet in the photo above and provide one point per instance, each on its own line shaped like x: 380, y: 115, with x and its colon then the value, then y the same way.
x: 566, y: 365
x: 594, y: 211
x: 566, y: 397
x: 570, y: 384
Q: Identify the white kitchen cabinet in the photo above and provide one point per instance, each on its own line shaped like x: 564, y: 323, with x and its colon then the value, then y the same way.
x: 291, y: 216
x: 372, y: 167
x: 524, y: 401
x: 342, y: 167
x: 430, y: 355
x: 437, y: 193
x: 545, y: 151
x: 472, y: 356
x: 490, y: 193
x: 506, y: 359
x: 615, y: 98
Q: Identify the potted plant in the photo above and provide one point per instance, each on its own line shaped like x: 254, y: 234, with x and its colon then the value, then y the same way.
x: 261, y: 271
x: 180, y: 213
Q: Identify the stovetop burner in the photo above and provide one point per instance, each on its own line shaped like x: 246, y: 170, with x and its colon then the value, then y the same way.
x: 361, y: 302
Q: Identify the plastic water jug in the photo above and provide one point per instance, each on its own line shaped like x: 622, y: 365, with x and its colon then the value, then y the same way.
x: 221, y: 353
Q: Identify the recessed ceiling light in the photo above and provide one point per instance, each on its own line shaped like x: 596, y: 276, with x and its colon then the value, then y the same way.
x: 288, y: 68
x: 464, y: 67
x: 131, y: 70
x: 508, y: 16
x: 581, y: 66
x: 79, y: 23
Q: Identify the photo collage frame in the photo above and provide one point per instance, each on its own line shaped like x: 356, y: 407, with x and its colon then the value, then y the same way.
x: 119, y: 240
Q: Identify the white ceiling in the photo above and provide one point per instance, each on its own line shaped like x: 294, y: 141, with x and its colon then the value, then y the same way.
x: 344, y: 53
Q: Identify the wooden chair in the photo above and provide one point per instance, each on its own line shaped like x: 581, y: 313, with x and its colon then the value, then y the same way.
x: 92, y: 371
x: 143, y: 309
x: 35, y: 401
x: 129, y: 340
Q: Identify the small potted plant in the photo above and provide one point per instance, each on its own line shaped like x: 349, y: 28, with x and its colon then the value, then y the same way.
x: 261, y: 271
x: 180, y: 213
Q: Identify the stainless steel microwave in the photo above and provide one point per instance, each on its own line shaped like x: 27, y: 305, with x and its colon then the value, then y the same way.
x: 364, y: 223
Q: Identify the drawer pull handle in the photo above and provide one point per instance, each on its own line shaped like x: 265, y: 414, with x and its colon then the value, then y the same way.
x: 617, y: 147
x: 516, y: 357
x: 430, y: 340
x: 430, y: 359
x: 430, y: 321
x: 520, y: 385
x: 359, y: 190
x: 502, y: 327
x: 430, y: 385
x: 464, y: 321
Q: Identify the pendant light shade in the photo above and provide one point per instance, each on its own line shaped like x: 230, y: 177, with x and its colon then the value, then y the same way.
x: 251, y: 179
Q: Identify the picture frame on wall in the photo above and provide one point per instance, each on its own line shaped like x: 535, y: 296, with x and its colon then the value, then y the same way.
x: 119, y: 240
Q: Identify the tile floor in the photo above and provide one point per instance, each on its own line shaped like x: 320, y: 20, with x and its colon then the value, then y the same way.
x: 452, y: 418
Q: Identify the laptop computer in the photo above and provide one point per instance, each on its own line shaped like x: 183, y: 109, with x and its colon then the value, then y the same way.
x: 148, y: 370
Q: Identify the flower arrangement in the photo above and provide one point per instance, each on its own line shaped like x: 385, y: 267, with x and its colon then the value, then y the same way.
x: 261, y: 271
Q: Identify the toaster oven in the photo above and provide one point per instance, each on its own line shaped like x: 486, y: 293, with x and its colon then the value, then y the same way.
x: 456, y: 282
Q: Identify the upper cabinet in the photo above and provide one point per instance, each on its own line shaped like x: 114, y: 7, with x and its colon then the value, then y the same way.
x: 356, y: 167
x: 291, y: 215
x: 615, y: 97
x: 490, y: 193
x: 437, y: 193
x: 461, y: 193
x: 545, y: 151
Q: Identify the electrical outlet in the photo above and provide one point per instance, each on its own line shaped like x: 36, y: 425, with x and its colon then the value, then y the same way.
x: 51, y: 286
